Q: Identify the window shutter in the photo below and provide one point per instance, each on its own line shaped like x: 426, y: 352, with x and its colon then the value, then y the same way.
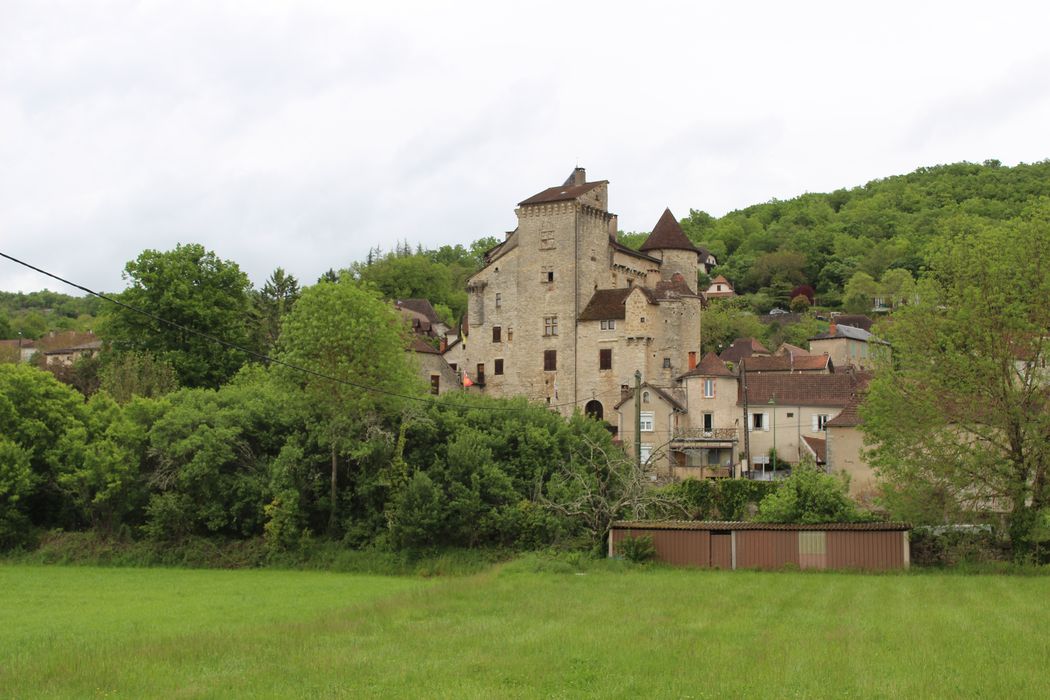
x: 816, y: 423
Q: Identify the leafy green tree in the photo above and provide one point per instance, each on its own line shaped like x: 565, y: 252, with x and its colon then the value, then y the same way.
x: 725, y: 321
x: 125, y: 375
x: 6, y: 331
x: 195, y: 289
x: 809, y: 496
x: 273, y: 301
x: 860, y: 293
x: 354, y: 342
x: 416, y: 276
x: 16, y: 484
x: 897, y: 286
x: 963, y: 411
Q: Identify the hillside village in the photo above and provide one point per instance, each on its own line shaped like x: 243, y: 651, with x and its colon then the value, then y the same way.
x: 564, y: 314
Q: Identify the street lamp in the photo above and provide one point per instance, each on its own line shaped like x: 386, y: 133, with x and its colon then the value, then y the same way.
x: 773, y: 405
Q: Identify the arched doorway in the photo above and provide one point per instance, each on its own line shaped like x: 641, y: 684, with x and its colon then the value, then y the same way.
x: 594, y: 409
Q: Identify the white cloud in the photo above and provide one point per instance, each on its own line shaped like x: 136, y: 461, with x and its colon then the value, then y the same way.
x: 300, y: 134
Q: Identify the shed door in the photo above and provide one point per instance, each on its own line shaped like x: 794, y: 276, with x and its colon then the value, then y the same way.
x: 812, y: 549
x: 721, y: 549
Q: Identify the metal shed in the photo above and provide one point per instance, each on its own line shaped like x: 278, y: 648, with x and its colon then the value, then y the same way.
x: 741, y: 545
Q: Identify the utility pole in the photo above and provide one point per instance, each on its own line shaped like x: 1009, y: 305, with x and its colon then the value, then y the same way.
x: 773, y: 405
x: 638, y: 417
x: 747, y: 426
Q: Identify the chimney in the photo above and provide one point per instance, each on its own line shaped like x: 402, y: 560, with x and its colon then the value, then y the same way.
x: 444, y: 344
x: 833, y: 329
x: 579, y: 176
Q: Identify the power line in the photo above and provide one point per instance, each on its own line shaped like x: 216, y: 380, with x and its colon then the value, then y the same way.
x: 269, y: 359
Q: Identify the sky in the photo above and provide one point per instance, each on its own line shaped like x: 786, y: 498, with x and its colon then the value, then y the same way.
x: 302, y: 134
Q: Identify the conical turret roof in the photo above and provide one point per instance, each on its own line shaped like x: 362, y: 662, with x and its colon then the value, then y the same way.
x: 667, y: 234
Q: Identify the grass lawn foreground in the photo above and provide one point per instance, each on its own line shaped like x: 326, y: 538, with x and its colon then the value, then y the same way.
x: 519, y: 631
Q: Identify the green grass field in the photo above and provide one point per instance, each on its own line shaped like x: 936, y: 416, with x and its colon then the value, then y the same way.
x: 518, y: 632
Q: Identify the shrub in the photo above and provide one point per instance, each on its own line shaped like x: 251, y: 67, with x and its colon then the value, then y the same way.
x: 637, y: 549
x: 810, y: 496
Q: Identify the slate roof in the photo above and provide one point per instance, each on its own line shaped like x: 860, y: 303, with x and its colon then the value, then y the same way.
x: 561, y: 193
x: 668, y: 234
x: 741, y: 348
x: 842, y: 331
x: 789, y: 363
x: 799, y: 389
x: 710, y: 366
x: 856, y: 320
x: 662, y: 393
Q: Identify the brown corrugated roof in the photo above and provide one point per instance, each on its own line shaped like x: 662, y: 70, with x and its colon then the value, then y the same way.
x: 668, y: 234
x: 738, y: 525
x: 710, y: 366
x: 789, y: 363
x: 562, y: 193
x: 796, y: 389
x: 741, y: 348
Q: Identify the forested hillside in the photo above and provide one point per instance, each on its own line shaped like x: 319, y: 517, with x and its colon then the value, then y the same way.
x: 824, y: 240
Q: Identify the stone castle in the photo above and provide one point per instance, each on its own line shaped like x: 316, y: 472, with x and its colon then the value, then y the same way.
x: 562, y: 313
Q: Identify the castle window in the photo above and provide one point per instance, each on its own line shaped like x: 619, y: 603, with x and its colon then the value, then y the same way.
x: 605, y: 358
x: 497, y: 334
x: 550, y: 325
x: 547, y: 276
x: 497, y: 366
x: 499, y: 300
x: 550, y: 360
x: 667, y: 363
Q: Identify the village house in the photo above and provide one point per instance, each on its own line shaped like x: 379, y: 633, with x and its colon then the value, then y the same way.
x: 720, y: 288
x: 426, y: 343
x: 847, y: 346
x: 565, y: 314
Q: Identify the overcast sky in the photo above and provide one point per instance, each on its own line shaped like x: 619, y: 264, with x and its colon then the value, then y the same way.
x: 300, y: 134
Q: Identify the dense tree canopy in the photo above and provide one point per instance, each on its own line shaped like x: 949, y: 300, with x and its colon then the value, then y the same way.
x: 196, y: 289
x: 960, y: 420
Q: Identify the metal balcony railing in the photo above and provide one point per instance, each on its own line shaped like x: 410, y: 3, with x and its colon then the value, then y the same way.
x: 718, y: 434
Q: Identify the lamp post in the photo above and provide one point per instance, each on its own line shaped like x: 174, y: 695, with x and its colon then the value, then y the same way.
x: 773, y: 405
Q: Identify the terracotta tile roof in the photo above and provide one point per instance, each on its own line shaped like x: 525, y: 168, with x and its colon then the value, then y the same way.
x: 848, y: 417
x: 798, y: 389
x: 608, y: 304
x: 710, y: 366
x: 418, y: 344
x: 789, y: 363
x: 792, y: 350
x: 818, y: 447
x: 738, y: 525
x: 420, y: 306
x: 741, y: 348
x: 668, y: 234
x: 562, y: 193
x: 721, y: 280
x: 665, y: 394
x: 65, y: 340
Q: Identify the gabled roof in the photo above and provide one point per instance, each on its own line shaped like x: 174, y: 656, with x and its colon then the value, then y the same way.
x: 662, y: 393
x: 608, y: 304
x: 839, y: 331
x: 741, y: 348
x: 417, y: 344
x: 795, y: 389
x: 721, y: 279
x: 789, y: 363
x: 792, y: 350
x: 420, y: 306
x: 848, y: 417
x: 668, y: 235
x: 710, y: 366
x: 631, y: 251
x: 674, y: 287
x: 562, y: 193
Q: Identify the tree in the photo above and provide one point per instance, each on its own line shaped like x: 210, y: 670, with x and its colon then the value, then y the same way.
x: 962, y: 415
x: 125, y: 375
x: 273, y: 301
x: 897, y: 286
x: 860, y: 293
x: 724, y: 322
x: 354, y: 342
x: 809, y: 496
x: 195, y: 289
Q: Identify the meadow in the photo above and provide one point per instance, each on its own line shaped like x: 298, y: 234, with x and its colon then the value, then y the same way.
x: 529, y: 628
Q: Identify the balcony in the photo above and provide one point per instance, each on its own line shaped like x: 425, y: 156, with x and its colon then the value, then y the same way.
x: 701, y: 435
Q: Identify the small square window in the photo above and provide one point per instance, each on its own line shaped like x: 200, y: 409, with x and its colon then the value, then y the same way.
x: 550, y: 325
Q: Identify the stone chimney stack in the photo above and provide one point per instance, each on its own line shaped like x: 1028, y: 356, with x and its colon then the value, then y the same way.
x: 579, y: 176
x: 833, y: 329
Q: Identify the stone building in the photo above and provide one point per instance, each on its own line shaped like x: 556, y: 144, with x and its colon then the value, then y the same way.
x: 564, y: 314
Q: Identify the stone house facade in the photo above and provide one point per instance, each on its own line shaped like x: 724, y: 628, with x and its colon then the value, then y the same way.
x: 564, y: 314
